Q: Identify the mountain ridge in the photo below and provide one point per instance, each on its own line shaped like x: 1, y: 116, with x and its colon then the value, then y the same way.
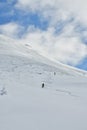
x: 10, y: 46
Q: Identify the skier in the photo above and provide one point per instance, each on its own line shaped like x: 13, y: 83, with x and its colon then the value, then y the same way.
x: 42, y: 85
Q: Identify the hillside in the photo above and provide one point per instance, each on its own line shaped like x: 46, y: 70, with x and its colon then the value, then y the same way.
x: 25, y: 105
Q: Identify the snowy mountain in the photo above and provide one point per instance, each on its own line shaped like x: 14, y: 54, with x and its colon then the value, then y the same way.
x: 25, y: 105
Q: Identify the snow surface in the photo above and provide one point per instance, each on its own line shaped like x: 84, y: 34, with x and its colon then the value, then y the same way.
x: 25, y: 105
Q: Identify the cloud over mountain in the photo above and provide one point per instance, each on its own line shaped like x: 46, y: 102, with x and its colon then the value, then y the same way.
x: 57, y: 29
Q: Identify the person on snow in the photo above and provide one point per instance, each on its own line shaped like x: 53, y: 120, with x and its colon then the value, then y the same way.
x: 42, y: 85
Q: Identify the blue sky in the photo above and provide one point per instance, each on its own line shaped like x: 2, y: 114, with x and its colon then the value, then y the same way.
x: 8, y: 13
x: 55, y: 30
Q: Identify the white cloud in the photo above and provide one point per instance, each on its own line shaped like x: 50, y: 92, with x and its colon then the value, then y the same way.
x: 47, y: 9
x: 10, y: 29
x: 35, y: 4
x: 62, y: 48
x: 78, y: 7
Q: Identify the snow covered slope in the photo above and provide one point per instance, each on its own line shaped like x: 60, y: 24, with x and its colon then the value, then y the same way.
x: 24, y: 105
